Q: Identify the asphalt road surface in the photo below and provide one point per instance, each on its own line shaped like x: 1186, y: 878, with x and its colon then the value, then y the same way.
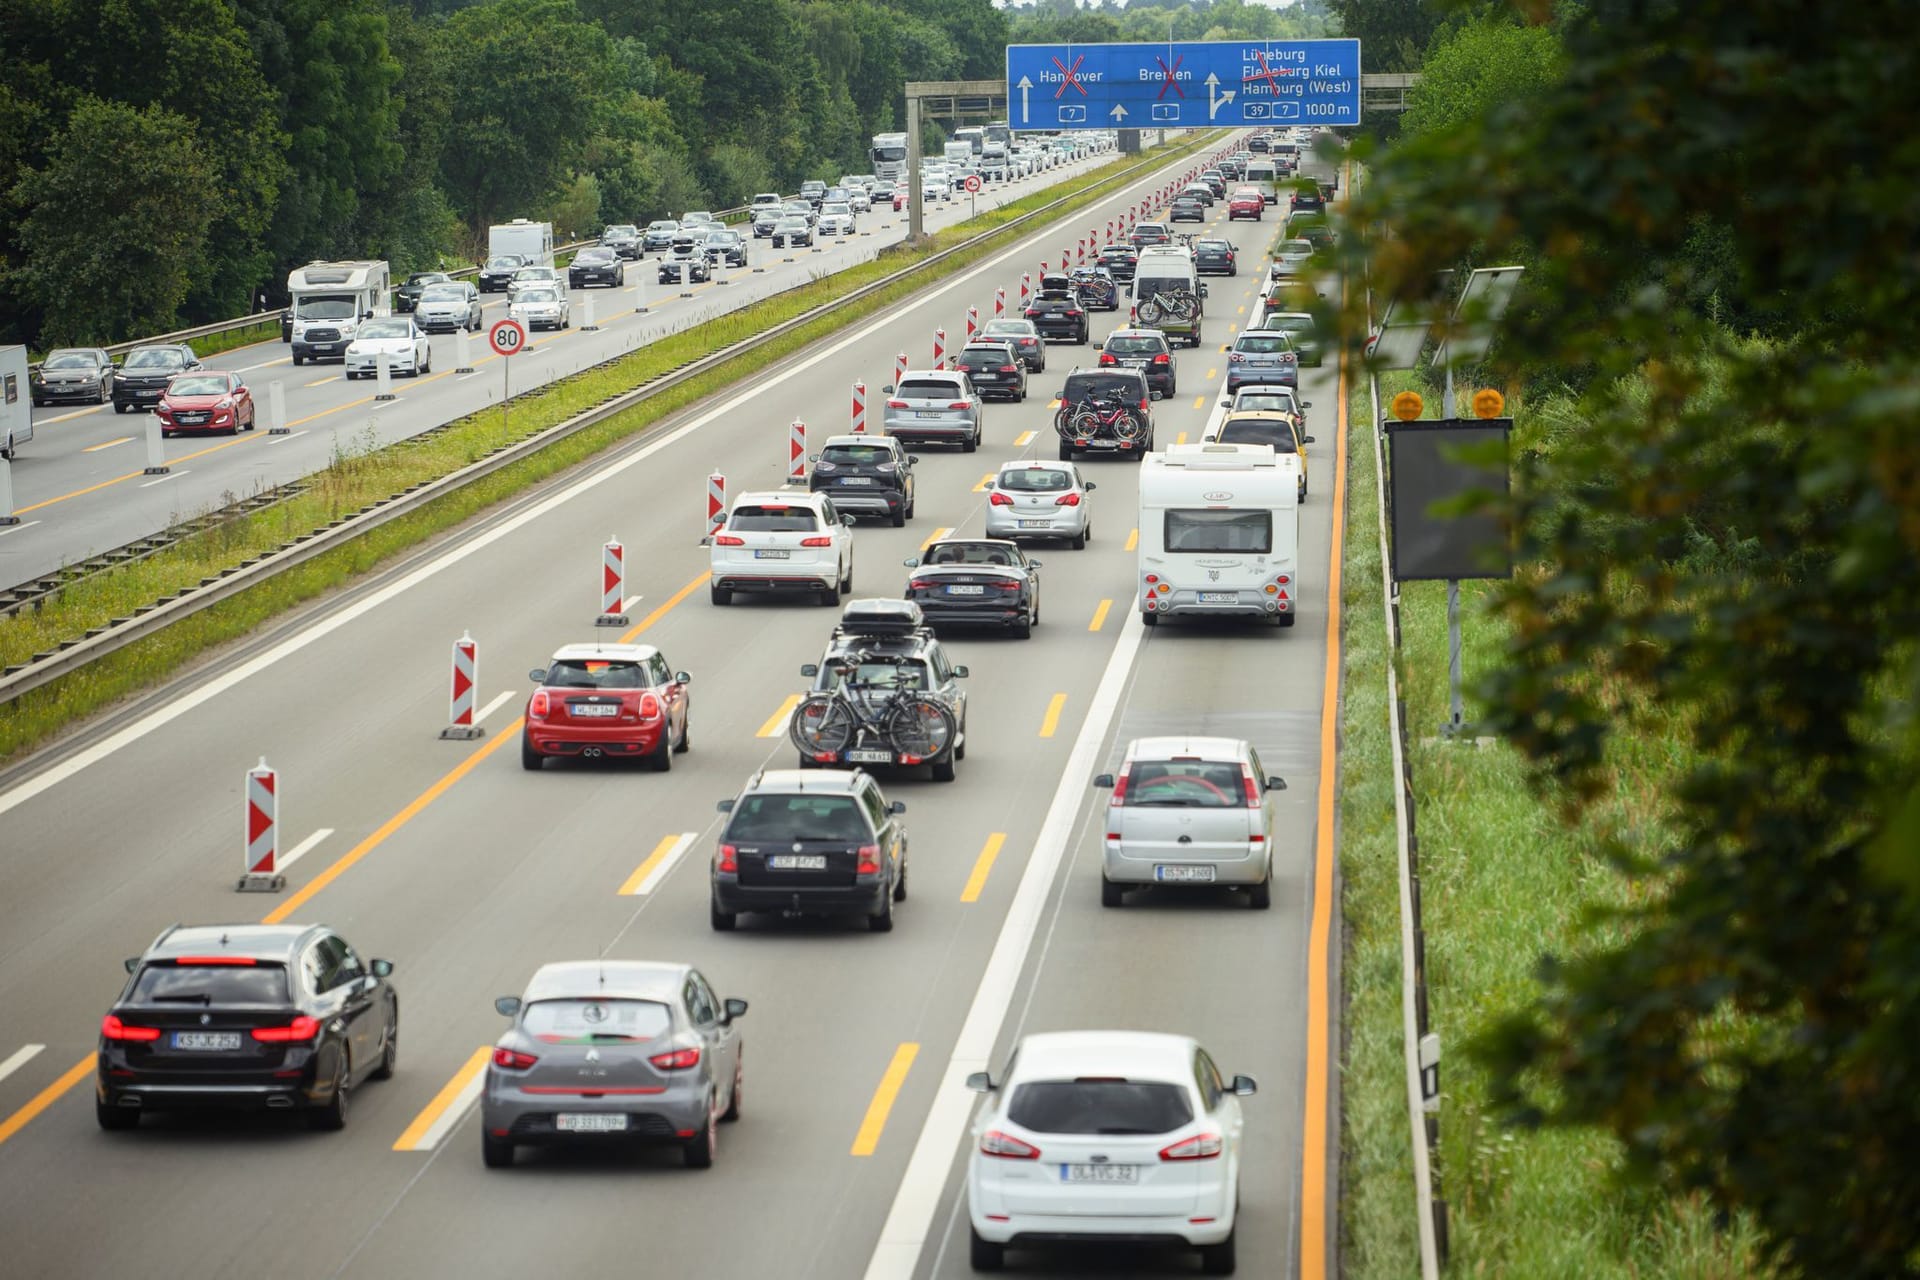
x: 469, y: 873
x: 80, y: 486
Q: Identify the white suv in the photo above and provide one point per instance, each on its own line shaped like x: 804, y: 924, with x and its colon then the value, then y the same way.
x: 1125, y: 1136
x: 1189, y: 811
x: 784, y: 540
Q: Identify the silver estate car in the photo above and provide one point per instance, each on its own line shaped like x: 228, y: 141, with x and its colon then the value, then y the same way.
x: 449, y: 306
x: 1040, y: 500
x: 938, y: 405
x: 1189, y: 811
x: 613, y: 1051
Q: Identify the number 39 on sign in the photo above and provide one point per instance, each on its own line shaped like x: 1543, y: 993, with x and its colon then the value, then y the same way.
x: 507, y: 337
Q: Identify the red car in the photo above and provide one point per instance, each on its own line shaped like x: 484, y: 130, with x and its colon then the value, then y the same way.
x: 1246, y: 203
x: 205, y: 401
x: 611, y: 700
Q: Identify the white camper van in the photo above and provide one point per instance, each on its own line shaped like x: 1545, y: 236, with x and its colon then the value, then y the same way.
x: 330, y: 299
x: 1220, y: 533
x: 16, y: 405
x: 531, y: 240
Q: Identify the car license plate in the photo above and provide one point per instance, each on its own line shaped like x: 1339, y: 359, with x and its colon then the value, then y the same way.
x: 324, y: 346
x: 797, y: 862
x: 870, y: 756
x: 928, y: 413
x: 1219, y: 597
x: 575, y: 1123
x: 962, y: 589
x: 203, y: 1040
x: 1099, y: 1173
x: 1036, y: 524
x: 1188, y: 874
x: 594, y: 709
x: 856, y: 479
x: 772, y: 554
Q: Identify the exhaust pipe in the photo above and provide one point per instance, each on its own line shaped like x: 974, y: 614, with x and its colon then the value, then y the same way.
x: 591, y: 753
x: 279, y: 1102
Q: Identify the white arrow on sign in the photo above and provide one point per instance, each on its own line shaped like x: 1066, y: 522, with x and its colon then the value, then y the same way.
x: 1118, y: 113
x: 1024, y: 86
x: 1215, y: 103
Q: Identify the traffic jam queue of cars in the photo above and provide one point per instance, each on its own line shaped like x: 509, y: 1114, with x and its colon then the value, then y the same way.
x: 1085, y: 1135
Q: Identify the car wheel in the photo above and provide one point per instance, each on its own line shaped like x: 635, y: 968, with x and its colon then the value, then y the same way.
x: 166, y: 435
x: 943, y: 770
x: 701, y: 1148
x: 1218, y: 1259
x: 332, y: 1115
x: 971, y: 443
x: 900, y: 883
x: 1260, y: 897
x: 720, y: 595
x: 389, y: 1050
x: 899, y: 517
x: 1066, y: 452
x: 1079, y: 541
x: 114, y: 1118
x: 1111, y: 894
x: 297, y: 360
x: 722, y: 921
x: 104, y: 396
x: 118, y: 407
x: 881, y: 921
x: 686, y: 736
x: 984, y: 1255
x: 1024, y: 631
x: 732, y: 1112
x: 529, y: 758
x: 846, y: 580
x: 660, y: 759
x: 496, y: 1153
x: 1303, y: 488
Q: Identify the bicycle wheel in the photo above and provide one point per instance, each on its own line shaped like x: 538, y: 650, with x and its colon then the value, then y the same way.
x: 1086, y: 423
x: 1063, y: 421
x: 919, y: 727
x: 1128, y: 425
x: 822, y: 725
x: 1150, y: 313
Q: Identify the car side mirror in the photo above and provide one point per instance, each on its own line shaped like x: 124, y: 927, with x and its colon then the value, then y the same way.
x: 913, y: 457
x: 810, y: 669
x: 1276, y: 784
x: 132, y: 963
x: 959, y: 673
x: 1203, y: 290
x: 538, y: 675
x: 367, y: 316
x: 1244, y: 1087
x: 735, y: 1008
x: 507, y: 1006
x: 1033, y: 564
x: 681, y: 677
x: 981, y: 1082
x: 1089, y: 486
x: 912, y: 562
x: 381, y: 968
x: 847, y: 521
x: 1226, y: 404
x: 897, y: 808
x: 1306, y: 404
x: 1104, y: 781
x: 887, y: 390
x: 1306, y: 439
x: 725, y: 806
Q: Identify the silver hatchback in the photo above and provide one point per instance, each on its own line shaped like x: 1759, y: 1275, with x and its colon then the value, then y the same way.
x: 610, y: 1051
x: 1040, y: 500
x: 1188, y: 811
x: 937, y: 405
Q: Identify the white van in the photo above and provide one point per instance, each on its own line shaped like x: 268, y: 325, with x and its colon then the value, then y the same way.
x: 1263, y: 173
x: 330, y: 300
x: 1168, y: 272
x: 1220, y: 533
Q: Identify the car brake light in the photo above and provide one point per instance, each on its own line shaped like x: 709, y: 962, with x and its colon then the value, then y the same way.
x: 1253, y: 787
x: 869, y: 864
x: 1163, y: 358
x: 541, y: 706
x: 300, y: 1030
x: 728, y: 540
x: 1106, y: 357
x: 1143, y: 406
x: 729, y: 860
x: 1007, y: 1147
x: 1234, y: 358
x: 1007, y: 368
x: 816, y: 542
x: 513, y: 1059
x: 896, y: 404
x: 1120, y: 791
x: 114, y: 1029
x: 997, y: 499
x: 649, y: 706
x: 1072, y: 313
x: 676, y: 1059
x: 195, y: 960
x: 1201, y: 1146
x: 961, y: 404
x: 1152, y: 578
x: 1067, y: 500
x: 1283, y: 579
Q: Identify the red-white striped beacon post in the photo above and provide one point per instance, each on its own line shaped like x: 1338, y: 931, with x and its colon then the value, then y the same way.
x: 461, y: 724
x: 613, y: 585
x: 260, y: 871
x: 716, y: 503
x: 859, y: 408
x: 797, y: 452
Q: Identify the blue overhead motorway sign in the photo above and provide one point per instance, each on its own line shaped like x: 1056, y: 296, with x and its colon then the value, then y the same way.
x: 1184, y: 85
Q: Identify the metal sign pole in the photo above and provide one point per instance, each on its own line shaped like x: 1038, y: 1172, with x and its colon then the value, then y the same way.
x: 1456, y: 720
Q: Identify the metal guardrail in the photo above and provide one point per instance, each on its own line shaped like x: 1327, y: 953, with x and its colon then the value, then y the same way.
x: 98, y: 643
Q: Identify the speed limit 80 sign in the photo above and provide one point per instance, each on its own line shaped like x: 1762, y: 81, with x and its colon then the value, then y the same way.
x: 507, y: 337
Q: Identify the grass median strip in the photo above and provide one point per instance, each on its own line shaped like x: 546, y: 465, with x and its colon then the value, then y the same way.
x: 360, y: 476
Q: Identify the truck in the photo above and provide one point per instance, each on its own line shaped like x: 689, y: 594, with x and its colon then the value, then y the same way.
x: 975, y: 138
x: 1219, y: 533
x: 1000, y: 133
x: 889, y: 156
x: 531, y: 240
x: 958, y: 155
x: 16, y: 405
x: 995, y: 164
x: 328, y: 302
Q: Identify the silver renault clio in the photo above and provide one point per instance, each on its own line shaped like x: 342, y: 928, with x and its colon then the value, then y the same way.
x: 613, y: 1050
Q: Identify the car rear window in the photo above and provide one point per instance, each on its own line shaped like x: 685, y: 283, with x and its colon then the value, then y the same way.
x: 984, y: 359
x: 1262, y: 344
x: 857, y: 455
x: 528, y: 295
x: 927, y: 389
x: 444, y: 293
x: 69, y: 360
x: 1035, y: 480
x: 211, y: 984
x: 1135, y: 346
x: 1099, y: 1106
x: 1276, y: 434
x: 773, y: 519
x: 1201, y: 531
x: 1108, y: 387
x: 508, y: 263
x: 1147, y: 286
x: 797, y: 817
x: 1003, y: 329
x: 1185, y: 784
x: 596, y: 1021
x: 591, y: 673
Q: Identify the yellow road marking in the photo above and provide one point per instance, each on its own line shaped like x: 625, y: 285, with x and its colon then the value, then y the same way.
x: 1240, y: 310
x: 1225, y: 346
x: 1052, y: 720
x: 432, y: 1112
x: 1100, y: 616
x: 1024, y: 439
x: 661, y: 612
x: 1199, y: 401
x: 934, y: 537
x: 1182, y: 437
x: 868, y: 1138
x: 645, y: 869
x: 1133, y: 539
x: 134, y: 475
x: 985, y: 480
x: 1213, y: 373
x: 982, y: 865
x: 778, y: 719
x: 324, y: 381
x: 1054, y: 403
x: 46, y: 1097
x: 95, y: 448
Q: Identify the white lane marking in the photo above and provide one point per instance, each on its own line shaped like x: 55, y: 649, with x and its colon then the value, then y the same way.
x: 20, y: 1058
x: 283, y: 439
x: 499, y: 700
x: 909, y: 1222
x: 626, y: 606
x: 15, y: 528
x: 659, y: 872
x: 171, y: 475
x: 80, y: 761
x: 456, y: 1112
x: 302, y: 849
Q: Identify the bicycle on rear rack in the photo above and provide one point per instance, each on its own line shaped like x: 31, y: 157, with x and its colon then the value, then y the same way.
x: 839, y: 724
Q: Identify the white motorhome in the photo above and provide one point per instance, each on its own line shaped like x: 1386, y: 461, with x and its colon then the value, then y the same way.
x: 329, y: 301
x: 16, y: 404
x: 958, y: 155
x: 1220, y: 533
x: 531, y: 240
x: 889, y: 156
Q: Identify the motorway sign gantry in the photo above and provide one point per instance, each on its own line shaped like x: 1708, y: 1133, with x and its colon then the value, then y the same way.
x: 1183, y: 85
